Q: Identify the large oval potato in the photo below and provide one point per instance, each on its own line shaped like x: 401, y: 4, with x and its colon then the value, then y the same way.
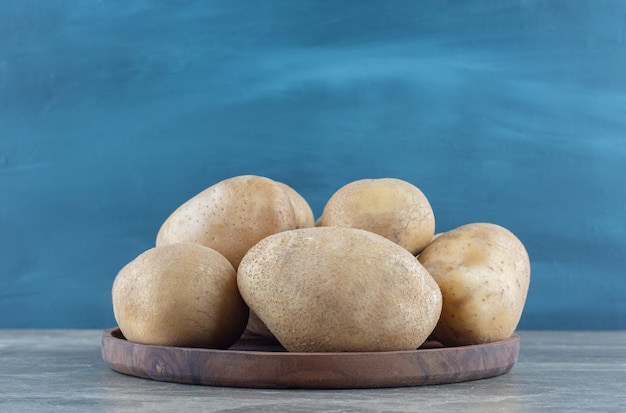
x: 328, y: 289
x: 179, y: 295
x: 231, y: 216
x: 483, y: 271
x: 393, y: 208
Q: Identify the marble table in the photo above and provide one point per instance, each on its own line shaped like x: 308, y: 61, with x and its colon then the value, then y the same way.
x: 62, y: 370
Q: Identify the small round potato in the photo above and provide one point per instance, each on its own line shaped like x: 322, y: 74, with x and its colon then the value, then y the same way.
x: 231, y: 216
x: 326, y: 289
x: 179, y: 295
x: 483, y: 271
x: 393, y: 208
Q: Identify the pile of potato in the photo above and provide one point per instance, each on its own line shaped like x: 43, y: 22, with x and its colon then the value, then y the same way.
x: 369, y: 275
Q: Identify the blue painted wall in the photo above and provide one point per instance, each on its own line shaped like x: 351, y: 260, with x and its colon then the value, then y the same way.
x: 114, y: 113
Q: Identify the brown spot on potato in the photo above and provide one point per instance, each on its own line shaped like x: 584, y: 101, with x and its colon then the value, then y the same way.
x: 474, y: 256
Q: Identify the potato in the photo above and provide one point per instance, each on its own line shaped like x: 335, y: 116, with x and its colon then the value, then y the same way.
x: 326, y: 289
x: 231, y: 216
x: 257, y: 327
x: 304, y: 219
x: 483, y: 271
x: 179, y: 295
x: 393, y: 208
x: 302, y: 209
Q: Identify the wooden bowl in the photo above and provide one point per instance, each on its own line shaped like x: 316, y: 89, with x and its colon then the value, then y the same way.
x: 258, y: 362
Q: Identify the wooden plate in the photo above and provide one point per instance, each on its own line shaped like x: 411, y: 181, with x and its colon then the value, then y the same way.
x: 262, y: 363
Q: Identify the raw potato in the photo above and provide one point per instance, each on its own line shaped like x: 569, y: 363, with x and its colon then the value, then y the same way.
x: 302, y: 209
x: 326, y: 289
x: 257, y: 327
x: 393, y: 208
x: 179, y: 295
x: 231, y: 216
x: 304, y: 219
x: 483, y: 271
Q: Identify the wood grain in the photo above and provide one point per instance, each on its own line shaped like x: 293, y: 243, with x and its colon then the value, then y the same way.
x: 261, y: 363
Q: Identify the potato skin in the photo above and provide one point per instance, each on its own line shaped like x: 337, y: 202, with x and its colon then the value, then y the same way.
x: 302, y: 209
x: 326, y: 289
x: 390, y: 207
x: 231, y: 216
x: 179, y: 295
x: 483, y: 271
x: 304, y: 219
x: 257, y: 327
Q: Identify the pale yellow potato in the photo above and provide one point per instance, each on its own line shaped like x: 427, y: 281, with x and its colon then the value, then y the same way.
x: 231, y: 216
x: 483, y: 271
x: 179, y: 295
x: 393, y: 208
x: 326, y: 289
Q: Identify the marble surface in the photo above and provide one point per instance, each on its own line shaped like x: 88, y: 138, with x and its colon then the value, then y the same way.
x: 62, y: 370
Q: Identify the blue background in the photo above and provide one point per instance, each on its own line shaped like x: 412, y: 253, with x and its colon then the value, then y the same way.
x: 114, y: 113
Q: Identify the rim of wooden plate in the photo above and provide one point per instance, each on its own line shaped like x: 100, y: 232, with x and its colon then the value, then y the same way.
x: 256, y: 362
